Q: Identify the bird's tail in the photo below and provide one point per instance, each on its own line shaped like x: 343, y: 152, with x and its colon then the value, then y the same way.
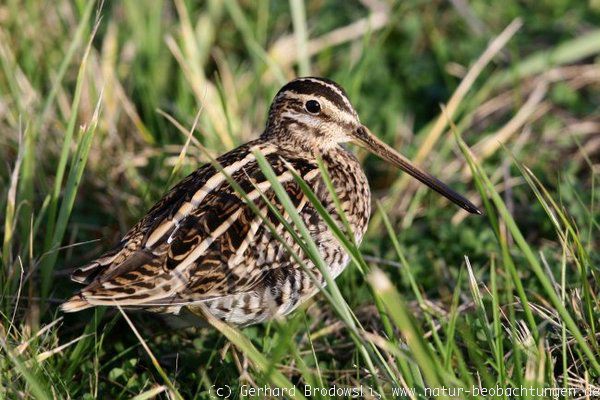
x: 75, y: 303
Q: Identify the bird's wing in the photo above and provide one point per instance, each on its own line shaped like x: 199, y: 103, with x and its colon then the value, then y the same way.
x: 175, y: 205
x: 192, y: 244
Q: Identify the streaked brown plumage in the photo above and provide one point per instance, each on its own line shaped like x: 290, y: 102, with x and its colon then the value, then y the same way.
x: 202, y: 243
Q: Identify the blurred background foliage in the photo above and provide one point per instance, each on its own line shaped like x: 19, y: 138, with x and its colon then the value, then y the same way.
x: 153, y: 66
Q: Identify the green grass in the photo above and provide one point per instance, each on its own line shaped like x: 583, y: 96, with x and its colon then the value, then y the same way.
x: 103, y: 106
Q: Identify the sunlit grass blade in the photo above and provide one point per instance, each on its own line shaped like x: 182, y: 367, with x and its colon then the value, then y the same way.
x: 9, y: 218
x: 407, y: 274
x: 494, y: 218
x: 497, y: 327
x: 478, y: 300
x: 531, y: 258
x: 244, y: 344
x: 398, y: 312
x: 67, y: 142
x: 150, y: 394
x: 155, y: 362
x: 299, y: 20
x: 312, y: 250
x: 39, y: 388
x: 258, y: 53
x: 78, y: 164
x: 29, y: 165
x: 567, y: 234
x: 347, y: 238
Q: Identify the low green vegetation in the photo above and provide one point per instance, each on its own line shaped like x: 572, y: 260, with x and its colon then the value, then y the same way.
x: 97, y: 101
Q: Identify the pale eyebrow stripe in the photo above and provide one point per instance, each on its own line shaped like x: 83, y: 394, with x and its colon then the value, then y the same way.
x: 333, y: 88
x: 346, y: 116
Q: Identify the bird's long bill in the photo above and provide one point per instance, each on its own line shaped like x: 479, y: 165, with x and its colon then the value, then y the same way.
x: 366, y: 139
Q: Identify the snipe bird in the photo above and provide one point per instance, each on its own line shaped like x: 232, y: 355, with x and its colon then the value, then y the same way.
x: 203, y: 244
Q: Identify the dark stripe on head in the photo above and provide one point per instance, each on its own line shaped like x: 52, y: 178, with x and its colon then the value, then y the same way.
x: 319, y: 87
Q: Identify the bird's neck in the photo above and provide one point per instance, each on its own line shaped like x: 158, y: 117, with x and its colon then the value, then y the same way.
x: 305, y: 142
x: 305, y: 148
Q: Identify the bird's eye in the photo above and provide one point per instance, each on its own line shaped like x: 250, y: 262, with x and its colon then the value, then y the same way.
x: 313, y: 107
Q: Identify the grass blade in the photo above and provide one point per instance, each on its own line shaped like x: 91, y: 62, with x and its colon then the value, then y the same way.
x: 79, y: 162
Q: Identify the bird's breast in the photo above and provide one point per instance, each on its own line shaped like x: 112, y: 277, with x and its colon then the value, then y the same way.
x: 352, y: 189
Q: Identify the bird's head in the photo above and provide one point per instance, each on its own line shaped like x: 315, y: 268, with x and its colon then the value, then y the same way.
x: 316, y: 113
